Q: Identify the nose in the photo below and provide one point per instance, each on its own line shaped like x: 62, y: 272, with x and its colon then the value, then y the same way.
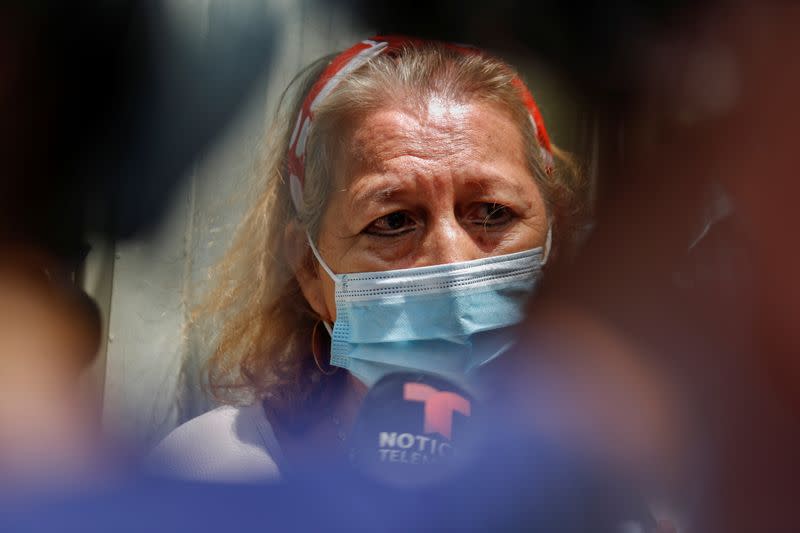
x: 449, y: 242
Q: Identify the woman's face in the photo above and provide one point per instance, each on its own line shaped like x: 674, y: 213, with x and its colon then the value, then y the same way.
x: 414, y: 189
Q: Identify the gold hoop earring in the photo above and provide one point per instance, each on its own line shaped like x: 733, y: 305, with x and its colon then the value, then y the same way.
x: 315, y: 352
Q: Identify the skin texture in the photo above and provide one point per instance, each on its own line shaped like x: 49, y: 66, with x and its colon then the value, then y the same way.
x: 437, y: 185
x: 440, y: 183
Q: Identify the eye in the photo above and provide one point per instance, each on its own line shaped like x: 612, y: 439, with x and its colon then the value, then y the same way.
x: 392, y: 225
x: 491, y: 214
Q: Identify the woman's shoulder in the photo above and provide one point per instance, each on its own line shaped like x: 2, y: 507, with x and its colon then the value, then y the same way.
x: 228, y: 444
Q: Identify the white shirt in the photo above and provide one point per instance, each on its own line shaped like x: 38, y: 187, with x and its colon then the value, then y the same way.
x: 228, y: 444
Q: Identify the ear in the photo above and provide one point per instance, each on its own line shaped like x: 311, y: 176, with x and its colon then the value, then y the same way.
x: 305, y: 269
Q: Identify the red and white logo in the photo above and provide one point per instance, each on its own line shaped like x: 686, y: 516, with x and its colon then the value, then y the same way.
x: 439, y: 407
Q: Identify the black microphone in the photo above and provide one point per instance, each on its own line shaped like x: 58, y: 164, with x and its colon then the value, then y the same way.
x: 415, y: 429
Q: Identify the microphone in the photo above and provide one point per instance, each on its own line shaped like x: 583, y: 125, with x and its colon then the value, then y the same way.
x: 415, y: 429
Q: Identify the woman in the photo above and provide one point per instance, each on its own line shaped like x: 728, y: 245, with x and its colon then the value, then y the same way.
x: 422, y: 167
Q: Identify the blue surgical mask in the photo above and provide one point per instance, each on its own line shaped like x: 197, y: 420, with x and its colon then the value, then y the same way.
x: 445, y: 319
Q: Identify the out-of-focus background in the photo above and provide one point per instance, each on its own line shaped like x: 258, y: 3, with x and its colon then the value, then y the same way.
x: 150, y: 367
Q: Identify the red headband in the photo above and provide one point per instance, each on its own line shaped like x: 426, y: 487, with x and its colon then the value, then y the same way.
x: 350, y: 60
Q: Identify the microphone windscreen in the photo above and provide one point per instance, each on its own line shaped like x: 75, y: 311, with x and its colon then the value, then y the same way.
x: 415, y: 429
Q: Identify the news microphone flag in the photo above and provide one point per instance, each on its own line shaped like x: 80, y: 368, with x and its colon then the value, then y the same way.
x: 415, y: 428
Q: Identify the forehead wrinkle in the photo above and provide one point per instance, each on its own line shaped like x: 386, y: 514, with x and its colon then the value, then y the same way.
x: 376, y: 141
x: 395, y: 141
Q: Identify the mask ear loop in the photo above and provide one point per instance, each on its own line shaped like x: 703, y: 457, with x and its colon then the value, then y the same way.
x: 320, y: 260
x: 548, y: 243
x: 327, y: 270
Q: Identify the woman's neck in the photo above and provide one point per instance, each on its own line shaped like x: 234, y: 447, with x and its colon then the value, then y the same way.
x: 329, y: 428
x: 352, y: 398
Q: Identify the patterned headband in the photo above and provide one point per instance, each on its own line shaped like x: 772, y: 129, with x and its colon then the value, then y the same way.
x: 350, y: 60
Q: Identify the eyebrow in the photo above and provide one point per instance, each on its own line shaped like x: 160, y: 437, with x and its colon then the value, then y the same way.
x: 492, y: 181
x: 377, y: 193
x: 391, y: 184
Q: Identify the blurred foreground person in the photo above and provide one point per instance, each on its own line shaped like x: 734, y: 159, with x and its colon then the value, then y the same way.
x: 49, y: 333
x: 411, y: 200
x: 691, y: 279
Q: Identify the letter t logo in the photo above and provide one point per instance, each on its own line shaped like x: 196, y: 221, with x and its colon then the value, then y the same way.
x: 439, y: 407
